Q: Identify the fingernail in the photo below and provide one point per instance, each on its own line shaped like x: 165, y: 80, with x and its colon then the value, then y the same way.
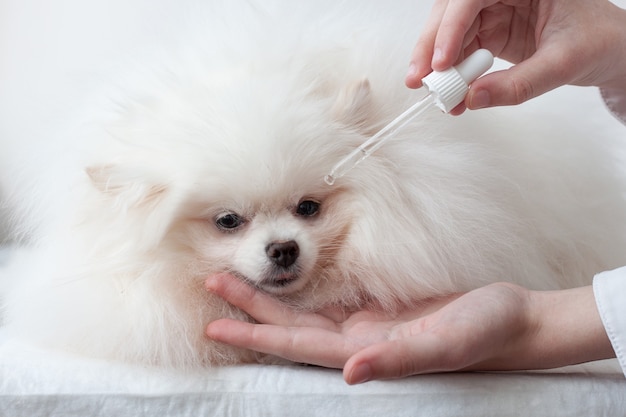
x: 208, y: 285
x: 437, y: 56
x: 211, y: 283
x: 362, y: 373
x: 479, y: 100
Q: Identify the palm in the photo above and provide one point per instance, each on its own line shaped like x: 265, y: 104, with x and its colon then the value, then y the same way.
x: 327, y: 338
x: 313, y: 338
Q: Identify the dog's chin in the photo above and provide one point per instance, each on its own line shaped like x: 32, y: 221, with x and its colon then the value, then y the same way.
x: 278, y: 282
x: 282, y: 285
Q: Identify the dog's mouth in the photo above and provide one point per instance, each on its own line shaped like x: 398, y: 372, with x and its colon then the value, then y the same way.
x: 281, y: 280
x: 276, y: 282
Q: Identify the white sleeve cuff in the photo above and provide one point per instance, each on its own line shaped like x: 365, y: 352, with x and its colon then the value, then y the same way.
x: 609, y: 288
x: 616, y: 102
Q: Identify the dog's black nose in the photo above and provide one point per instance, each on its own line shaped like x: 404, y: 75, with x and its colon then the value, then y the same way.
x: 283, y: 253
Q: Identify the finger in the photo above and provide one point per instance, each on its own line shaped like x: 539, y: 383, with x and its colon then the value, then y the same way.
x: 398, y: 359
x: 470, y: 40
x: 336, y: 314
x: 261, y: 306
x: 458, y: 22
x: 419, y: 66
x: 448, y: 37
x: 298, y: 344
x: 539, y: 74
x: 458, y: 110
x: 421, y: 57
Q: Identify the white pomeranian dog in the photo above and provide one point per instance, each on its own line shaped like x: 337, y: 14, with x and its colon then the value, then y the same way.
x: 212, y: 155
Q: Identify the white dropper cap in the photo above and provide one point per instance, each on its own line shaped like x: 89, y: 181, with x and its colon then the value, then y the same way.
x: 449, y: 87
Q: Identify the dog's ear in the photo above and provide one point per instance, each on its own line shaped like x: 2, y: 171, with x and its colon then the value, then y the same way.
x: 137, y: 201
x: 353, y: 104
x: 130, y: 188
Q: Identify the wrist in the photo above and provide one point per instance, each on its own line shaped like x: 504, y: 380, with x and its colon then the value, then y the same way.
x: 563, y: 328
x: 549, y: 329
x: 616, y: 56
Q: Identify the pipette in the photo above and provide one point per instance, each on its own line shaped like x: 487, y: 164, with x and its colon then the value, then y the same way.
x: 446, y: 89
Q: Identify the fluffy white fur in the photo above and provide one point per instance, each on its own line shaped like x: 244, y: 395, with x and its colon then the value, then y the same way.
x: 245, y: 117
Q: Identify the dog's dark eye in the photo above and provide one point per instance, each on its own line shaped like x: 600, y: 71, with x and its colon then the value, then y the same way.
x: 229, y: 221
x: 308, y: 208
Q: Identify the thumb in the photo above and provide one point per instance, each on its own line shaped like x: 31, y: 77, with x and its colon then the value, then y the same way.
x: 398, y: 359
x: 528, y: 79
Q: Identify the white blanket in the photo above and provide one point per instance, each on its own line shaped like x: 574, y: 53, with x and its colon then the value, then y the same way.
x: 37, y: 383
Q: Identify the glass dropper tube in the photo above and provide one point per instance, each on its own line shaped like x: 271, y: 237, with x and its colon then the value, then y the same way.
x: 446, y: 90
x: 376, y: 141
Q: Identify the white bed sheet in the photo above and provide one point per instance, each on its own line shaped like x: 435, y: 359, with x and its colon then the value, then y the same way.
x: 36, y: 383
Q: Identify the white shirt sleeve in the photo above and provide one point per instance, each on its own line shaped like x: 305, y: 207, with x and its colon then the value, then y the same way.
x: 610, y: 292
x: 616, y: 102
x: 610, y: 287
